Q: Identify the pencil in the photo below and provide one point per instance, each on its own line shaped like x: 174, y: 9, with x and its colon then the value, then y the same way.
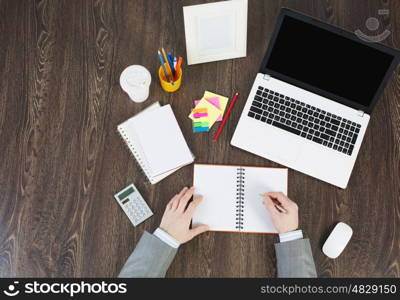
x: 167, y: 78
x: 225, y: 117
x: 178, y: 67
x: 162, y: 64
x: 167, y: 64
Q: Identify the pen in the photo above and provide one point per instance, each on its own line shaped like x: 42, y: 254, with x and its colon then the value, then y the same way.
x: 171, y: 63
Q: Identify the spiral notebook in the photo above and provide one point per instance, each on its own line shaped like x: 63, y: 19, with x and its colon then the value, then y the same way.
x: 232, y: 200
x: 156, y: 141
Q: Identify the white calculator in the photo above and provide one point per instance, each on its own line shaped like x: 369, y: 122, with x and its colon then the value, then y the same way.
x: 133, y: 204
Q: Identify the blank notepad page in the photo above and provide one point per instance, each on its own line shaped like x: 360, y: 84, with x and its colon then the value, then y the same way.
x: 161, y: 140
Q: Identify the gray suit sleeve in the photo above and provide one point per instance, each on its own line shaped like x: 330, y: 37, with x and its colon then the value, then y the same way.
x: 294, y: 259
x: 151, y: 258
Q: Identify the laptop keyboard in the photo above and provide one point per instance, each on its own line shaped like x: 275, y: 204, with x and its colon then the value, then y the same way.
x: 304, y: 120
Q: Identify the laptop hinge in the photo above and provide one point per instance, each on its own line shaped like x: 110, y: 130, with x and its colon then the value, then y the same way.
x: 267, y: 77
x: 360, y: 113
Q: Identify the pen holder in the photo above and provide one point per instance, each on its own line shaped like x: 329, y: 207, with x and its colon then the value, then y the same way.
x: 166, y: 85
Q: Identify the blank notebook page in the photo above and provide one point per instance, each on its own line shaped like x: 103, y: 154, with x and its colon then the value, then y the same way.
x: 218, y: 185
x: 259, y: 181
x: 161, y: 139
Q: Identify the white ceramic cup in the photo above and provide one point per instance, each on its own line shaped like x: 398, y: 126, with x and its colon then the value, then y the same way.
x: 135, y: 81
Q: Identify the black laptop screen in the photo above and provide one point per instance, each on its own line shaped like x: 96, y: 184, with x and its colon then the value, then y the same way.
x: 328, y: 61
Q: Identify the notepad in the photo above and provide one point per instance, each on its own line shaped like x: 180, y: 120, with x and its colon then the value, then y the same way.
x: 232, y: 200
x: 212, y: 112
x: 157, y: 142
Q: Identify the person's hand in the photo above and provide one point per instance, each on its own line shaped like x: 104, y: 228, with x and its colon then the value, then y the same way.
x: 178, y: 214
x: 284, y: 212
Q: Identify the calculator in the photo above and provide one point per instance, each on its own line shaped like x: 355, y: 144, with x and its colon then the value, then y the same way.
x: 133, y: 205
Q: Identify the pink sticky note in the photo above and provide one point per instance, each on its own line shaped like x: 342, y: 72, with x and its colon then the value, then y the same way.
x: 199, y: 115
x: 214, y: 101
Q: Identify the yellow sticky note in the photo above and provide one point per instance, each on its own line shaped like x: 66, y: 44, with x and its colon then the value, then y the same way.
x: 212, y: 112
x: 223, y: 101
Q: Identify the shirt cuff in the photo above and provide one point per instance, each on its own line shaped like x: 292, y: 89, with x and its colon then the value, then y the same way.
x: 166, y: 238
x: 290, y: 236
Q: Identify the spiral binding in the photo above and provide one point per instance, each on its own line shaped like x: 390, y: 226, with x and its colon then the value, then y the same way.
x: 240, y: 181
x: 135, y: 154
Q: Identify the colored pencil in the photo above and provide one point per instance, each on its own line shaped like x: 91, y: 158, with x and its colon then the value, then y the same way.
x: 166, y: 60
x: 162, y: 63
x: 178, y: 67
x: 221, y: 126
x: 167, y: 77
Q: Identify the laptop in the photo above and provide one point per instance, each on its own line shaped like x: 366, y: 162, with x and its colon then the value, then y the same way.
x: 311, y: 101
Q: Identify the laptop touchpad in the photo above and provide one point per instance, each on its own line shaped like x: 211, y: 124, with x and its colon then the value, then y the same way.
x: 283, y: 146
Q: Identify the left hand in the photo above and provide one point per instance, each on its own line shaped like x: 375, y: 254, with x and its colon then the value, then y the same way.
x: 176, y: 219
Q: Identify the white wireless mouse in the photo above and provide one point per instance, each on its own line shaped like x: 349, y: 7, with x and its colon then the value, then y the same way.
x: 337, y: 240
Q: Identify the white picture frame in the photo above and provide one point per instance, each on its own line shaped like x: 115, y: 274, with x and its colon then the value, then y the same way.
x: 215, y: 31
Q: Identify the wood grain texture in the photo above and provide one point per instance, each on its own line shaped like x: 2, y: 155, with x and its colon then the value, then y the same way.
x: 62, y: 160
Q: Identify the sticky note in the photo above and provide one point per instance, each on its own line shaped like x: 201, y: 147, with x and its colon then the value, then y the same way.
x: 223, y: 101
x: 199, y: 110
x: 200, y: 124
x: 199, y: 115
x: 212, y: 111
x: 200, y: 129
x: 214, y: 101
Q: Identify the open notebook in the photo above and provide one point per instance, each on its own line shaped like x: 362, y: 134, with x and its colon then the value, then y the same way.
x: 232, y: 200
x: 156, y: 141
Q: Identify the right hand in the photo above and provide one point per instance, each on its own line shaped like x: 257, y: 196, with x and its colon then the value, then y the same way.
x: 284, y: 220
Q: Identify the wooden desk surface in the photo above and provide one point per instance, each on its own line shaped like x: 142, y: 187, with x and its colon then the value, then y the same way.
x: 62, y: 160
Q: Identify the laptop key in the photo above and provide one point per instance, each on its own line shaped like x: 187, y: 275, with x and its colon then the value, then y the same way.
x: 251, y: 114
x: 287, y: 128
x: 256, y: 104
x: 336, y: 122
x: 258, y: 117
x: 303, y: 134
x: 259, y: 92
x: 269, y: 121
x: 324, y: 136
x: 317, y: 140
x: 263, y: 119
x: 354, y: 139
x: 256, y: 110
x: 330, y: 132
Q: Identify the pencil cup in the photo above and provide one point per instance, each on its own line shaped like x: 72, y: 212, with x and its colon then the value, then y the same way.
x: 168, y: 86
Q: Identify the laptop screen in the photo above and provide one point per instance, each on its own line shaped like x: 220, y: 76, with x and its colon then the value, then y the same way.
x: 328, y: 61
